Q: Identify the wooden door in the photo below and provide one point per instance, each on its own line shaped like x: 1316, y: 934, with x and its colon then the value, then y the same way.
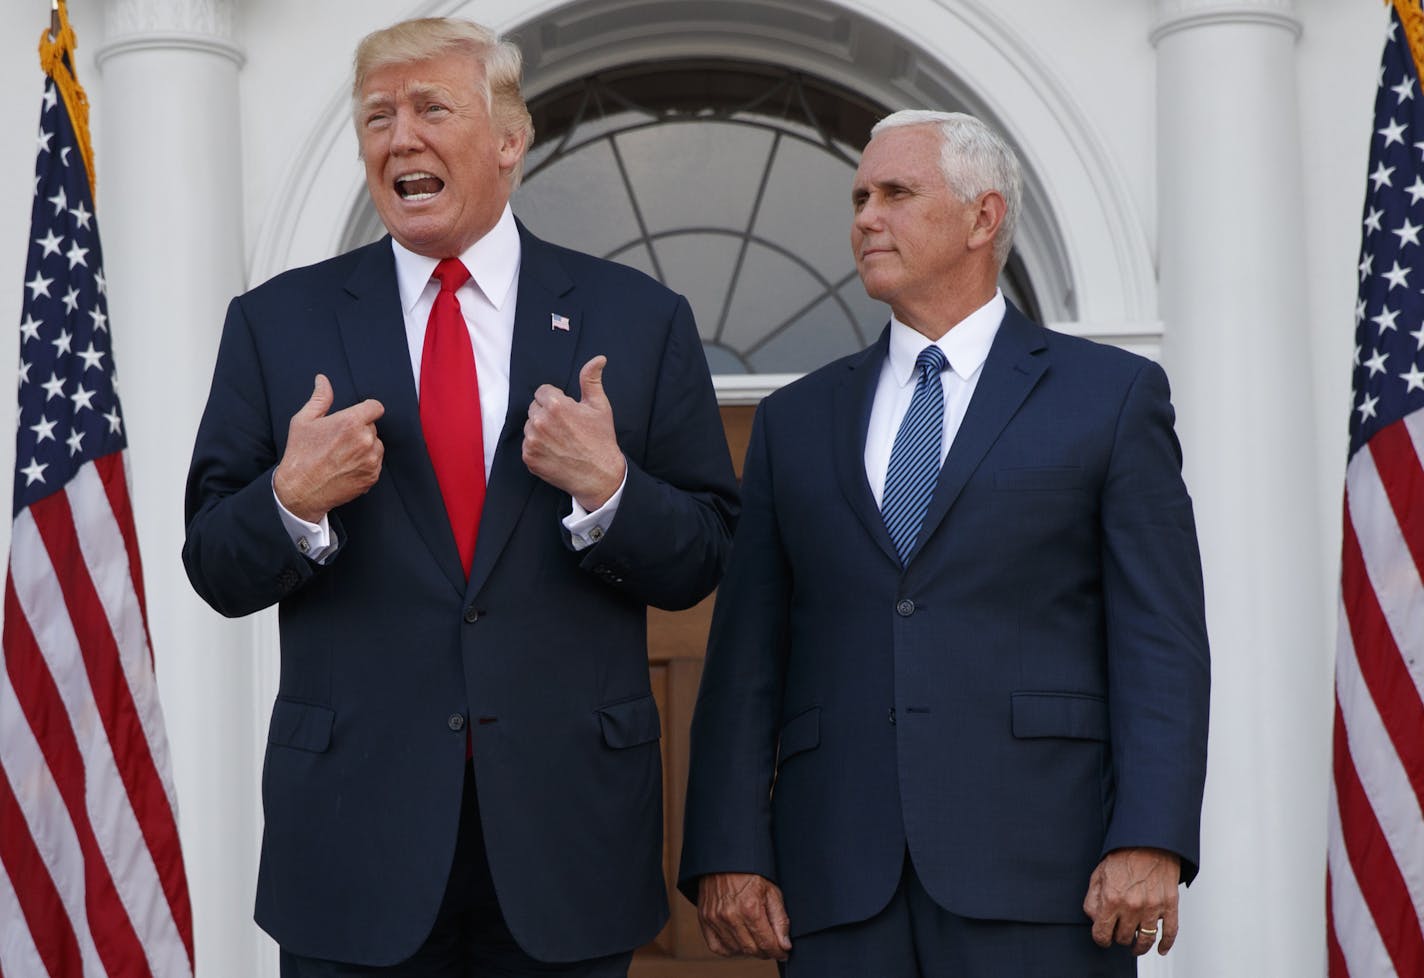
x: 676, y: 643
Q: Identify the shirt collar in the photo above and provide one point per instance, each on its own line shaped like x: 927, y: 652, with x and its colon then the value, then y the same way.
x: 493, y: 262
x: 965, y: 345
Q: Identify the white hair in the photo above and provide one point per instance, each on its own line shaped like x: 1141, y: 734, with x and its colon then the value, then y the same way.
x: 974, y: 159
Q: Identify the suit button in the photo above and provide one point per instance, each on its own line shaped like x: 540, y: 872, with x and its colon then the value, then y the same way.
x: 456, y: 722
x: 904, y: 607
x: 472, y: 615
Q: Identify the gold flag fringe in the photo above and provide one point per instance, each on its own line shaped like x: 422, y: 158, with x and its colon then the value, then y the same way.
x: 57, y: 60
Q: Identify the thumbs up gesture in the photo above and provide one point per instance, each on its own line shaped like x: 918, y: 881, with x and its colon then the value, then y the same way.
x: 330, y: 459
x: 571, y: 444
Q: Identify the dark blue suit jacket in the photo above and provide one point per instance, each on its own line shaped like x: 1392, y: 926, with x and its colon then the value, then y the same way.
x: 389, y: 657
x: 1027, y: 694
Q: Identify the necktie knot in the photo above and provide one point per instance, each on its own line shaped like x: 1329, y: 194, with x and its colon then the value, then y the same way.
x: 931, y: 361
x: 451, y: 273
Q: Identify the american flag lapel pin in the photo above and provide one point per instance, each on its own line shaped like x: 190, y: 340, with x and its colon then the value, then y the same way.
x: 561, y: 323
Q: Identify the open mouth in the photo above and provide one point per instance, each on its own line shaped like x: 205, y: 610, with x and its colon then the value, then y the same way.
x: 418, y: 186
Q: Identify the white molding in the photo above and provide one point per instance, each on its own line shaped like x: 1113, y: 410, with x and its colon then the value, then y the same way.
x: 1180, y: 15
x: 735, y: 389
x: 212, y: 18
x: 169, y: 41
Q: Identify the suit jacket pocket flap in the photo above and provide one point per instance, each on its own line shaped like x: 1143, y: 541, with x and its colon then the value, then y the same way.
x: 1046, y: 477
x: 304, y: 726
x: 630, y: 723
x: 801, y: 733
x: 1080, y: 716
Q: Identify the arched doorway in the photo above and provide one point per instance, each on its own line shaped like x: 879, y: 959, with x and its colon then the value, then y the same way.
x: 717, y: 155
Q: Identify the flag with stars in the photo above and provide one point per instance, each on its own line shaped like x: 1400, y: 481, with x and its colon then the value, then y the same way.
x: 1375, y: 874
x: 91, y: 877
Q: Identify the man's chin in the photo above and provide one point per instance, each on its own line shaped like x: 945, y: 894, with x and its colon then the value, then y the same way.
x: 876, y: 287
x: 422, y: 237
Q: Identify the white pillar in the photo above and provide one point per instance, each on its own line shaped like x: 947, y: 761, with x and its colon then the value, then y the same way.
x: 170, y: 193
x: 1232, y: 267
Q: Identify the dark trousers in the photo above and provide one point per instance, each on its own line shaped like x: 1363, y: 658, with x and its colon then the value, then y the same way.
x: 914, y: 937
x: 470, y: 938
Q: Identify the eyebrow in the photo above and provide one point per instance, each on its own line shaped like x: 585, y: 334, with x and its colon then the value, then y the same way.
x: 888, y: 183
x: 417, y: 91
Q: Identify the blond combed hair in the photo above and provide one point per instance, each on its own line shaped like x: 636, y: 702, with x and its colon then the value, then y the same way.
x: 974, y: 159
x: 432, y: 37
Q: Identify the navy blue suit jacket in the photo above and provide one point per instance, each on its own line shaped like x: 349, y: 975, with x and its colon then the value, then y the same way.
x: 1027, y: 694
x: 389, y: 656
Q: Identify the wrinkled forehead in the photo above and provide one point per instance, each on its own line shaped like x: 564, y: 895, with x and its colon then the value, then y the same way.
x: 900, y: 154
x: 448, y: 76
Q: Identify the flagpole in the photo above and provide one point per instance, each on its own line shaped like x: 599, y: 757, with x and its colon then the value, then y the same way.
x: 53, y: 18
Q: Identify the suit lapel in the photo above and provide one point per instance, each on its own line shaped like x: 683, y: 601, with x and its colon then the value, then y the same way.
x: 1016, y: 362
x: 542, y: 354
x: 373, y: 333
x: 851, y: 419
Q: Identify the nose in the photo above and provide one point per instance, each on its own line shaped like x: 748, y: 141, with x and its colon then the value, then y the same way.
x: 405, y: 133
x: 868, y: 217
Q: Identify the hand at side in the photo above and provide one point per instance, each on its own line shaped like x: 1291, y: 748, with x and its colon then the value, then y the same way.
x: 742, y: 913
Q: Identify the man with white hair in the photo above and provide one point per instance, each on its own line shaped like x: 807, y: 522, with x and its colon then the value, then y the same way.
x: 953, y: 717
x: 463, y: 462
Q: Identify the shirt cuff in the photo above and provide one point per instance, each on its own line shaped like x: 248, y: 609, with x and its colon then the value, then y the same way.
x: 585, y: 528
x: 313, y: 540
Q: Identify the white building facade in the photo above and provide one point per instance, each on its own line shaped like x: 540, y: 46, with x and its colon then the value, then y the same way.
x: 1195, y: 173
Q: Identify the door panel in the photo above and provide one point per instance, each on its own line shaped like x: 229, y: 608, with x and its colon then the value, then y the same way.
x: 676, y: 644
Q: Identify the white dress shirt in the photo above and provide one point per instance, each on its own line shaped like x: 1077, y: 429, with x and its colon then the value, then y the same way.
x: 966, y: 347
x: 487, y: 303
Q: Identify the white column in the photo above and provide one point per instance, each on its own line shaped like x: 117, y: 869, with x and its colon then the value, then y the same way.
x: 1232, y: 267
x: 170, y: 196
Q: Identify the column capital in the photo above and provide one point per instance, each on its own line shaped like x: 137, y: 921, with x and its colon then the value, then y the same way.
x: 1179, y: 15
x: 196, y: 25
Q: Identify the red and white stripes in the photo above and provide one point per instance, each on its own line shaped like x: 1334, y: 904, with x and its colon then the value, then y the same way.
x: 1376, y: 844
x: 89, y: 848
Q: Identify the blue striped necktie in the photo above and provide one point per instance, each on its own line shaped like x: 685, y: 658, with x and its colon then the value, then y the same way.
x: 914, y: 458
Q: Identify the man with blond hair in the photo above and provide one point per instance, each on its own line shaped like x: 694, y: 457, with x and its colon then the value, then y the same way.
x: 952, y: 722
x: 462, y: 462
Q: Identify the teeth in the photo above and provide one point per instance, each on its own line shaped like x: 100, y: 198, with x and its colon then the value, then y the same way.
x: 422, y: 175
x: 418, y: 196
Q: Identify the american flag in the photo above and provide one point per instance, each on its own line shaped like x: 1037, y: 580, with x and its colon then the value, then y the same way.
x: 1375, y: 879
x: 91, y: 877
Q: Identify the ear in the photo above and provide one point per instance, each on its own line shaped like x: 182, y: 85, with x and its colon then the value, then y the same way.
x: 987, y: 218
x: 511, y: 150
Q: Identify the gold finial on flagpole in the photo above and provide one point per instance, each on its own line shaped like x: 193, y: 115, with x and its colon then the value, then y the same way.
x: 57, y: 59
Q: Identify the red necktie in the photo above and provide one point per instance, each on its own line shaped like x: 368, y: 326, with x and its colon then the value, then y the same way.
x: 450, y: 410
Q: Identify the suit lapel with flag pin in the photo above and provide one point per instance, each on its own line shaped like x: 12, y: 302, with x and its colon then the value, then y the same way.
x: 559, y: 323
